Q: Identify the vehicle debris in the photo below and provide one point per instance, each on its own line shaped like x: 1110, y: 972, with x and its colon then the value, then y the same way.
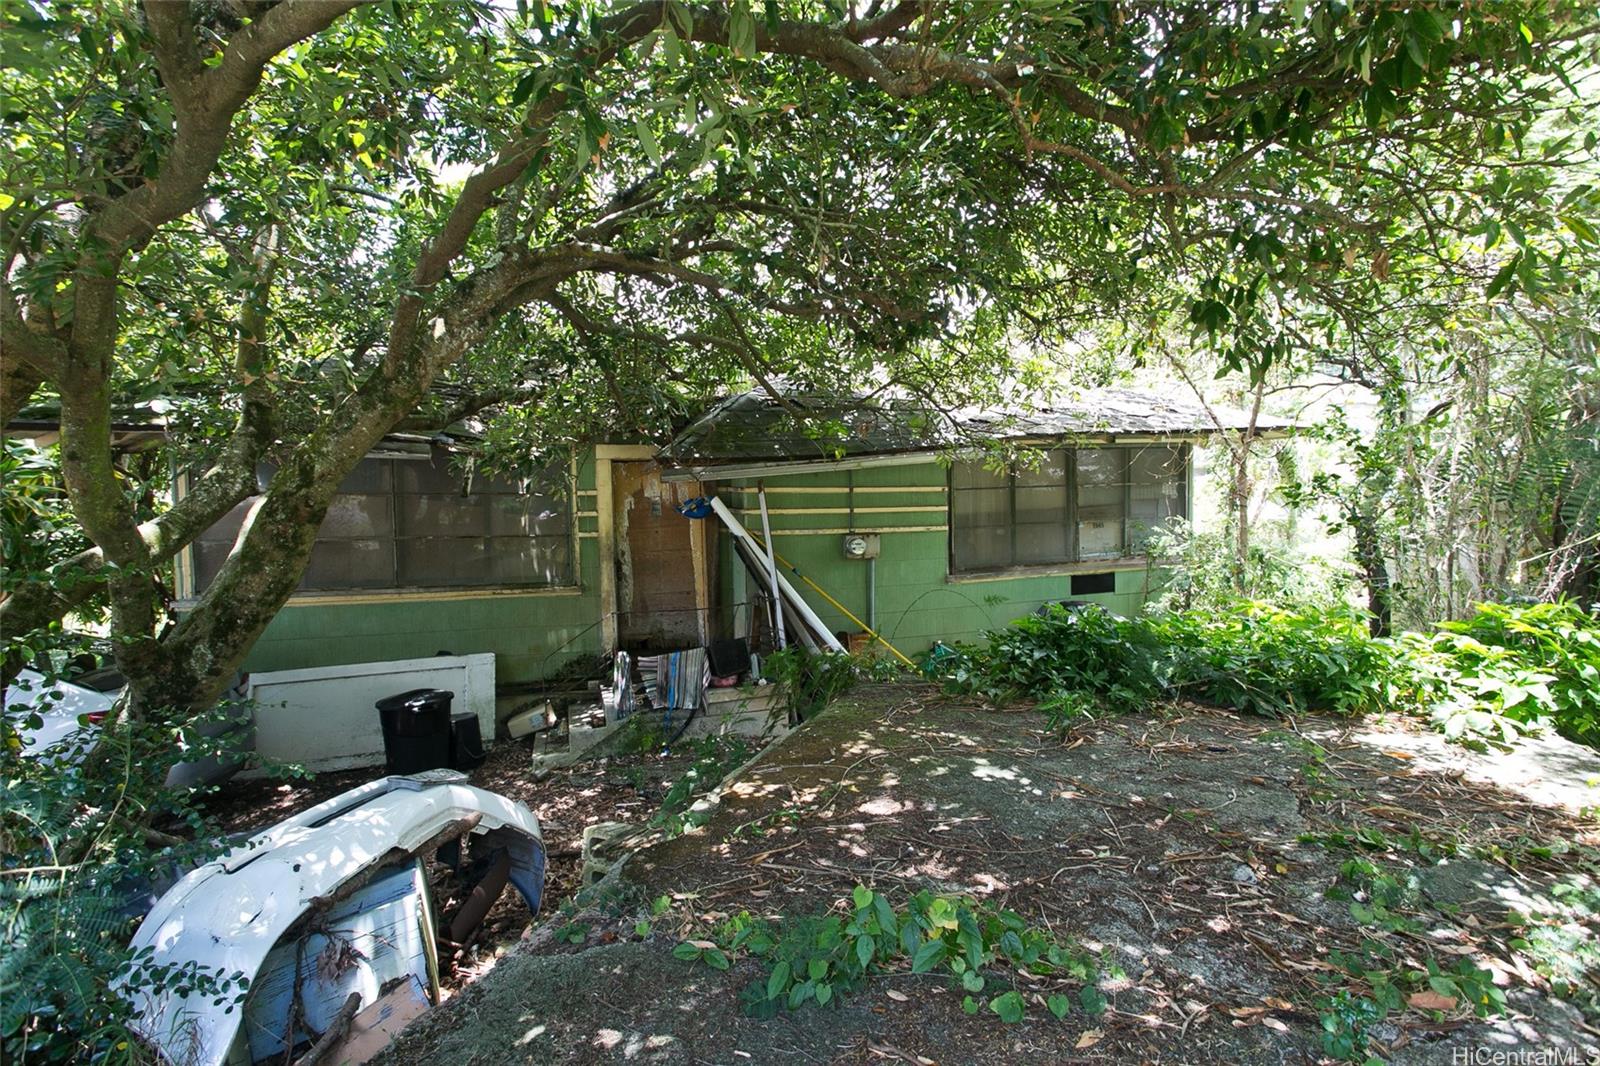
x: 330, y: 904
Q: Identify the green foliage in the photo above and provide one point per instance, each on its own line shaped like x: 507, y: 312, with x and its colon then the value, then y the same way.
x: 1378, y: 898
x: 1560, y: 943
x: 715, y: 756
x: 815, y: 959
x: 1196, y: 569
x: 1530, y: 662
x: 1252, y: 657
x: 1375, y: 985
x: 1506, y: 669
x: 76, y: 856
x: 1115, y: 662
x: 809, y: 681
x: 1265, y: 660
x: 37, y: 527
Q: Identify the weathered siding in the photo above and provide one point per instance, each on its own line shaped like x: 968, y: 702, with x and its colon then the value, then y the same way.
x: 918, y: 601
x: 532, y: 634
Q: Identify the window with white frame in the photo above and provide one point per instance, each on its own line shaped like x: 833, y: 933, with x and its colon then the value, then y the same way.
x: 421, y: 524
x: 1075, y: 505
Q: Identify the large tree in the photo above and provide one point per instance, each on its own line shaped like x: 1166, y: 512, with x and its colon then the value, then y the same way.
x: 294, y: 221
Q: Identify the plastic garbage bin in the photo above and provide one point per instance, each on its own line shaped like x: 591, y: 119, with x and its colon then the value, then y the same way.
x: 466, y: 742
x: 416, y: 730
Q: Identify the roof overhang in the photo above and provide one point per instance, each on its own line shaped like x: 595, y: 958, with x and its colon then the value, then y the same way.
x: 675, y: 469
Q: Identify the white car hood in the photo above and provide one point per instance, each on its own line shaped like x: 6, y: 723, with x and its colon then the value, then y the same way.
x: 227, y: 915
x: 61, y: 734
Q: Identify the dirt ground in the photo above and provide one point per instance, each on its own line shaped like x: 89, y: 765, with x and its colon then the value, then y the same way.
x: 1195, y: 853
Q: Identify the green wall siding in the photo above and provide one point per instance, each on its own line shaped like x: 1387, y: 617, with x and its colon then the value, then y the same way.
x: 534, y: 635
x: 531, y: 635
x: 917, y: 603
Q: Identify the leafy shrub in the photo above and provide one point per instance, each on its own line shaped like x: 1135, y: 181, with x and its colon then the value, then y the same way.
x: 85, y: 843
x: 1253, y: 658
x: 808, y: 682
x: 1506, y: 669
x: 1531, y: 662
x: 1257, y: 658
x: 79, y: 851
x: 1064, y: 649
x: 815, y: 958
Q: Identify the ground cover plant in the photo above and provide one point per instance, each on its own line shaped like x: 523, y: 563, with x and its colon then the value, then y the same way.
x: 1504, y: 670
x: 987, y: 950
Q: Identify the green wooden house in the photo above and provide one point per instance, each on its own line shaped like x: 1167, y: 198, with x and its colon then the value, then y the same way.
x: 417, y: 559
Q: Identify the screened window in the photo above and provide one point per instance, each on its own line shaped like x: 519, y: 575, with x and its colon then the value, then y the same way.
x: 1077, y: 505
x: 408, y: 523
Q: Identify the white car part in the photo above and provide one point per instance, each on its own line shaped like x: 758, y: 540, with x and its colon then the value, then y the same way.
x: 228, y: 915
x: 70, y: 717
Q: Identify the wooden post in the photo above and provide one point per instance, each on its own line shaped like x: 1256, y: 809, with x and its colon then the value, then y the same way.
x: 606, y: 548
x: 702, y: 580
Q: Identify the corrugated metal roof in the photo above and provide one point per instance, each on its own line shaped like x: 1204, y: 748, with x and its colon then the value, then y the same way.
x: 755, y: 427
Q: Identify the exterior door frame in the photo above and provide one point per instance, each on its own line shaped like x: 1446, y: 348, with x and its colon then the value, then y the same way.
x: 606, y: 521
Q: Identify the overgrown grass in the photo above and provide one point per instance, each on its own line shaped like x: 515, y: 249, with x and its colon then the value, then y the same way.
x: 1505, y: 670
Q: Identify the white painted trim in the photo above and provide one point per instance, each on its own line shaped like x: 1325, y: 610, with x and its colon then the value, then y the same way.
x: 183, y: 560
x: 606, y: 540
x: 626, y: 452
x: 780, y: 468
x: 702, y: 581
x: 369, y: 596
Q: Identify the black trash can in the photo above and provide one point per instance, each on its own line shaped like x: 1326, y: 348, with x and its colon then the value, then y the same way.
x: 466, y: 742
x: 416, y: 730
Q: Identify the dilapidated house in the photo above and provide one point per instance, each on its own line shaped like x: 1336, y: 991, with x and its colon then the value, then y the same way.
x: 428, y: 573
x: 413, y: 560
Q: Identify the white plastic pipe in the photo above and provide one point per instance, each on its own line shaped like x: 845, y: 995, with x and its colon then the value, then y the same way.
x: 772, y: 562
x: 795, y: 599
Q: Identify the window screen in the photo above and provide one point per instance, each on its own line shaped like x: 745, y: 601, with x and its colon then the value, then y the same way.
x: 980, y: 516
x: 407, y: 523
x: 1158, y: 489
x: 1077, y: 504
x: 1102, y: 476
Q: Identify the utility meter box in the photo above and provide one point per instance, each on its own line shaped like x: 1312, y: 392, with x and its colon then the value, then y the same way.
x: 860, y: 545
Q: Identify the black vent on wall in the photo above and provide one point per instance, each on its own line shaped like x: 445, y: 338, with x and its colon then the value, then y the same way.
x: 1094, y: 584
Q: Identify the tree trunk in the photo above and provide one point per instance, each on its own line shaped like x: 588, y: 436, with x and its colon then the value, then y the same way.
x: 1241, y: 516
x: 201, y: 656
x: 1242, y: 489
x: 18, y: 380
x: 1375, y: 571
